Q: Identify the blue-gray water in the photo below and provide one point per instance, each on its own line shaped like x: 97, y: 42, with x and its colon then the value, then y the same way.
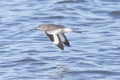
x: 29, y: 55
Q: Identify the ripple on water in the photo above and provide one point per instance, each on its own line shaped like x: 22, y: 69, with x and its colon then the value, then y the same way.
x: 91, y: 74
x: 69, y: 1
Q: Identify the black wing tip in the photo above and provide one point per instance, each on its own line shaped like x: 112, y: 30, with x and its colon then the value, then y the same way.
x: 60, y: 46
x: 67, y: 43
x: 62, y: 49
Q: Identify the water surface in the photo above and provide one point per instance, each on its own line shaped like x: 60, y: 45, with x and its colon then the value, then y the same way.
x: 29, y: 55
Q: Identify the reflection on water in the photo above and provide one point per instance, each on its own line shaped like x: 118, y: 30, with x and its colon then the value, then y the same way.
x: 29, y: 55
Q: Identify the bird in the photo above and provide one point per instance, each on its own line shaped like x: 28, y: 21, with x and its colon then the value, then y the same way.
x: 56, y: 34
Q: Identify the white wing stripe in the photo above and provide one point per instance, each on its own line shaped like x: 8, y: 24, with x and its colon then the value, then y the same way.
x: 56, y: 40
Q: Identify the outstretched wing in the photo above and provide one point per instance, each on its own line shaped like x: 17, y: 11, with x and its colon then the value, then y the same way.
x: 64, y: 39
x: 56, y: 40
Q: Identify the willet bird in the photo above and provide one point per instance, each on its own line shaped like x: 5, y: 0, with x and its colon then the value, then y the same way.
x: 56, y: 34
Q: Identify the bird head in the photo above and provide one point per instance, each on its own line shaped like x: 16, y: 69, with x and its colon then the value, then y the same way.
x: 40, y: 27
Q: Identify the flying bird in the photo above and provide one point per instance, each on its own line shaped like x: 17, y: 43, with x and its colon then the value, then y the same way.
x: 56, y: 34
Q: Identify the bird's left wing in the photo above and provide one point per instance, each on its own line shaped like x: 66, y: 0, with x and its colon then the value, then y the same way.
x: 64, y: 39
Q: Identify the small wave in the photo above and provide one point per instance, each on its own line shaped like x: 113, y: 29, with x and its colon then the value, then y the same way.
x: 69, y: 1
x: 110, y: 0
x: 115, y: 14
x: 56, y: 17
x: 27, y: 60
x: 105, y: 72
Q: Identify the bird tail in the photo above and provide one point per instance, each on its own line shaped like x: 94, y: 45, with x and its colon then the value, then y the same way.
x: 70, y: 30
x: 76, y: 31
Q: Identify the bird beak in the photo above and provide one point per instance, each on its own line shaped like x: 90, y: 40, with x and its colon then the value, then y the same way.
x: 33, y: 29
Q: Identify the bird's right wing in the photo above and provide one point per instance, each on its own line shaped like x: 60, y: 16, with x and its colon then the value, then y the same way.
x: 56, y: 40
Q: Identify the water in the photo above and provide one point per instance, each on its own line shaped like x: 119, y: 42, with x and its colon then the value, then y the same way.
x: 29, y: 55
